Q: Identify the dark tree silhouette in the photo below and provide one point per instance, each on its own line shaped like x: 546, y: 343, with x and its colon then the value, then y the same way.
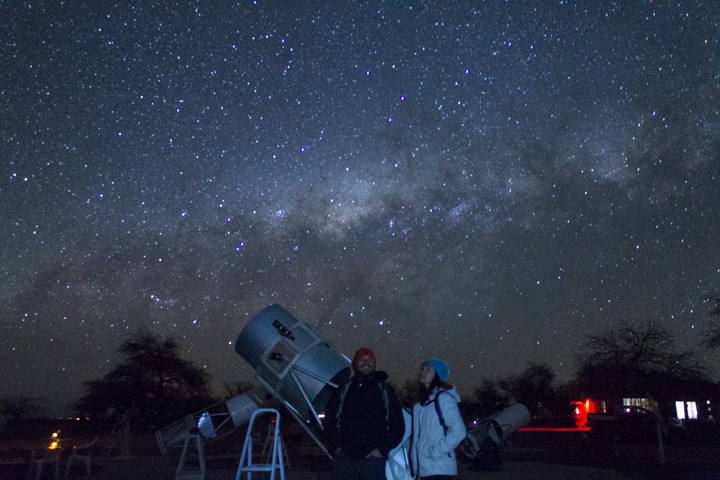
x: 234, y: 389
x: 712, y: 336
x: 152, y: 384
x: 638, y: 356
x: 407, y: 392
x: 21, y: 408
x: 534, y: 388
x: 488, y: 397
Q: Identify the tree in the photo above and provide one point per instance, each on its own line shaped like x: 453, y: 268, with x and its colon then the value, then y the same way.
x: 488, y: 398
x: 231, y: 390
x: 21, y: 408
x: 534, y: 388
x: 152, y: 383
x: 712, y: 339
x: 638, y: 356
x: 407, y: 392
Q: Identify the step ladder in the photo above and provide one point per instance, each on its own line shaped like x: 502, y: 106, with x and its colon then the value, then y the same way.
x: 270, y: 441
x: 118, y: 442
x: 192, y: 460
x: 274, y: 463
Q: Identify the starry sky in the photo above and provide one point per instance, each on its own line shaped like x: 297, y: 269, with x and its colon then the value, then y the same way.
x: 482, y: 181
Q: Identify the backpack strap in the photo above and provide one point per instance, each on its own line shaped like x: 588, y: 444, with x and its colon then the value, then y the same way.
x: 440, y: 415
x: 386, y: 402
x: 346, y: 387
x: 439, y: 412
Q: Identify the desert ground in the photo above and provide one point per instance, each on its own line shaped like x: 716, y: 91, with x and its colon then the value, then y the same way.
x: 527, y: 455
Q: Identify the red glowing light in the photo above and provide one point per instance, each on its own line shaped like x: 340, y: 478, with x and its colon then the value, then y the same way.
x: 582, y: 408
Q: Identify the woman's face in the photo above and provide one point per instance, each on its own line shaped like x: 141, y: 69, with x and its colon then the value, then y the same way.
x: 427, y: 374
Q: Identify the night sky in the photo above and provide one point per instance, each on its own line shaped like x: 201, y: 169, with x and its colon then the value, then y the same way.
x: 486, y: 182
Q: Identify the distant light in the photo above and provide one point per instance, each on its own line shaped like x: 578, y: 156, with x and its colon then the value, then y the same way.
x: 54, y: 441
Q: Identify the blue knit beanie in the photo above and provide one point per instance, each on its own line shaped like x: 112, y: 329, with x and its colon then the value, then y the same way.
x: 441, y: 368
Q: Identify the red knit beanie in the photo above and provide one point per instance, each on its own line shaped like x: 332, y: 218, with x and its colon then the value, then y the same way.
x: 364, y: 351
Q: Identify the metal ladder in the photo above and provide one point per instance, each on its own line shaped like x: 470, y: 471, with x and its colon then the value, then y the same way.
x: 275, y: 461
x: 119, y: 435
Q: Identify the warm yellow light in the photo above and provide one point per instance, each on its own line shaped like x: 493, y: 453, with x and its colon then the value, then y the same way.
x: 54, y: 440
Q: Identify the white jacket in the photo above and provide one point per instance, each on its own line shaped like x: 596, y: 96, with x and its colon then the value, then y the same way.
x: 433, y: 451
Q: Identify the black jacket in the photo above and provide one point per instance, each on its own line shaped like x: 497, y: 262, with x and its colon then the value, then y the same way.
x: 364, y: 423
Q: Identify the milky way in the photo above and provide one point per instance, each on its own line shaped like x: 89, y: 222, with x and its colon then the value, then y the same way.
x: 480, y: 181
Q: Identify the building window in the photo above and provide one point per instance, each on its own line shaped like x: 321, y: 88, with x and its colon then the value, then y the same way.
x: 686, y: 410
x: 637, y: 402
x: 680, y: 410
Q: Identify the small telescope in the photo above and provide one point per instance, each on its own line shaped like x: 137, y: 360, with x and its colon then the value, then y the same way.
x: 211, y: 423
x: 492, y: 431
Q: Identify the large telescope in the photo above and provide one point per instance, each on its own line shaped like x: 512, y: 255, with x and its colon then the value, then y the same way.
x: 291, y: 362
x: 294, y: 364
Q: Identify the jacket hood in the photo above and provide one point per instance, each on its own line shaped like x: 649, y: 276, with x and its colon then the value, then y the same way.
x: 451, y: 390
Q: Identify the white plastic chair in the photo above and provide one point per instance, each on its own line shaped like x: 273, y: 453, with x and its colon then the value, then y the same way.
x: 192, y: 460
x: 81, y: 454
x: 275, y: 461
x: 50, y: 456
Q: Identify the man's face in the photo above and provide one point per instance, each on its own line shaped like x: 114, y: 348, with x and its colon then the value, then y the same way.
x: 365, y: 365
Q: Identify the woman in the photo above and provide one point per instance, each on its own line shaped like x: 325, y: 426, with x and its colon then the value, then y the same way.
x: 438, y: 427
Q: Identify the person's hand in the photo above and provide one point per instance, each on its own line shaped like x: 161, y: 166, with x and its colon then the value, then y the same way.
x: 375, y: 453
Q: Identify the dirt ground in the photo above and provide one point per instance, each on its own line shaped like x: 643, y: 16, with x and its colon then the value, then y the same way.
x: 529, y: 455
x: 155, y: 468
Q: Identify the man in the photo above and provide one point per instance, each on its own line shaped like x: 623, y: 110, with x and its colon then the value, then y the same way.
x: 363, y: 421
